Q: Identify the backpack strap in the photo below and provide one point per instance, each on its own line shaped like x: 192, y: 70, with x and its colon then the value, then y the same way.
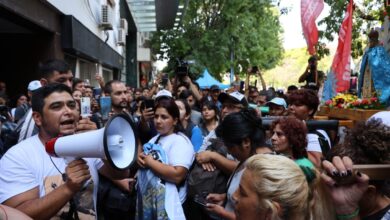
x: 324, y: 144
x: 234, y: 172
x: 158, y: 139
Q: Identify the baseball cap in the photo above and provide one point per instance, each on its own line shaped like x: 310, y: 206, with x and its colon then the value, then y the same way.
x: 235, y: 97
x: 384, y: 116
x: 214, y: 87
x: 33, y: 85
x: 163, y: 93
x: 278, y: 101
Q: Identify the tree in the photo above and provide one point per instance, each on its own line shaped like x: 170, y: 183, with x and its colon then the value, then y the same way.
x: 366, y: 14
x: 213, y: 29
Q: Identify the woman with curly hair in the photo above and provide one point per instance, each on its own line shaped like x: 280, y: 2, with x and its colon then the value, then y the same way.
x: 366, y: 143
x: 289, y: 138
x: 303, y: 105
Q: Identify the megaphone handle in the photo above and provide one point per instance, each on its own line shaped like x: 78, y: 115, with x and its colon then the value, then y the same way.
x: 70, y: 159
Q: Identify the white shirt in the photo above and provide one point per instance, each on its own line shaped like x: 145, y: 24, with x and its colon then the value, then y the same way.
x: 27, y: 165
x: 312, y: 141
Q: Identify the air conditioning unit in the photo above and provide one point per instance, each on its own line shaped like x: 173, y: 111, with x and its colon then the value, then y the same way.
x: 121, y: 37
x: 106, y: 17
x: 123, y: 25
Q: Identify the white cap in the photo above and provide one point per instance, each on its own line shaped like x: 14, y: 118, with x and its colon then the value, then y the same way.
x: 278, y: 101
x: 383, y: 116
x: 235, y: 97
x: 162, y: 93
x: 33, y: 85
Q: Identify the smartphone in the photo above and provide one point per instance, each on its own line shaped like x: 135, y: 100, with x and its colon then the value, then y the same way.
x: 201, y: 201
x: 85, y: 107
x: 105, y: 106
x: 242, y: 84
x: 164, y: 79
x: 148, y: 103
x: 97, y: 92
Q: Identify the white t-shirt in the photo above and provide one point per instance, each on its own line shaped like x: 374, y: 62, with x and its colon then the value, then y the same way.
x: 180, y: 152
x: 234, y: 184
x: 27, y: 165
x: 312, y: 141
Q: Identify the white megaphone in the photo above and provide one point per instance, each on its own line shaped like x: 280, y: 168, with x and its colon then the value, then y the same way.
x: 116, y: 142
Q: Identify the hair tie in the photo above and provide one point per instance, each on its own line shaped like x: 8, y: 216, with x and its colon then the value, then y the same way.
x: 309, y: 173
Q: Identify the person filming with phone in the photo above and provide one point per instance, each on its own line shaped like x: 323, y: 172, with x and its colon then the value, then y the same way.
x: 312, y: 76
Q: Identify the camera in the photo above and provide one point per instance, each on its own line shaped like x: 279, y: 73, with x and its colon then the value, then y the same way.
x: 254, y: 69
x: 164, y: 80
x: 182, y: 69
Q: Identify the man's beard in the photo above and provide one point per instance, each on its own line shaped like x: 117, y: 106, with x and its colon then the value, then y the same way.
x: 120, y: 105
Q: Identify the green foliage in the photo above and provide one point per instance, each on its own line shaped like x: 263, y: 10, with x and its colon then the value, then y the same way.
x: 291, y: 67
x: 212, y: 29
x: 365, y: 16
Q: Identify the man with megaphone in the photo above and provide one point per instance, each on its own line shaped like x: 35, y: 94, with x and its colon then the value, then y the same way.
x: 42, y: 186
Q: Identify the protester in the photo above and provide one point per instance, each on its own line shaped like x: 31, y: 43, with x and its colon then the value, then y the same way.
x: 272, y: 187
x: 231, y: 103
x: 23, y: 109
x: 192, y: 131
x: 210, y: 118
x: 291, y: 89
x: 118, y: 93
x: 303, y: 104
x: 20, y: 99
x: 289, y: 139
x: 365, y: 197
x: 312, y: 76
x: 45, y: 184
x: 241, y: 141
x: 161, y: 184
x: 79, y: 84
x: 213, y: 96
x: 88, y: 92
x: 277, y: 107
x: 196, y: 116
x: 52, y: 71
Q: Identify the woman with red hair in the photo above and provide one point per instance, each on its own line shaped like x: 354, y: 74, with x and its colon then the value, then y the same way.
x: 303, y: 105
x: 289, y: 138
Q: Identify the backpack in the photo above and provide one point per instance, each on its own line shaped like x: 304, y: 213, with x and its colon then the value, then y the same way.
x: 201, y: 182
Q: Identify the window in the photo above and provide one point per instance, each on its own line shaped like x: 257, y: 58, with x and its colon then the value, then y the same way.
x: 107, y: 75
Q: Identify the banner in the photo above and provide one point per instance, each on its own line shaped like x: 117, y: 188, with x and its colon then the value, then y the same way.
x: 341, y: 66
x: 310, y: 10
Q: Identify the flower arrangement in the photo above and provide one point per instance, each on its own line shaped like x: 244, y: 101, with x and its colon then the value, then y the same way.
x: 350, y: 101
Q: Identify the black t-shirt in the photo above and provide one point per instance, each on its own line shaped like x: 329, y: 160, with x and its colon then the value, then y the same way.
x: 311, y: 78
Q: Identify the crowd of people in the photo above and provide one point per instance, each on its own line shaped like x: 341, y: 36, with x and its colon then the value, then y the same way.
x: 203, y: 153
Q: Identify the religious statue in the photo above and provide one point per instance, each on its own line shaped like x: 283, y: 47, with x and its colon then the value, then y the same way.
x: 374, y: 78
